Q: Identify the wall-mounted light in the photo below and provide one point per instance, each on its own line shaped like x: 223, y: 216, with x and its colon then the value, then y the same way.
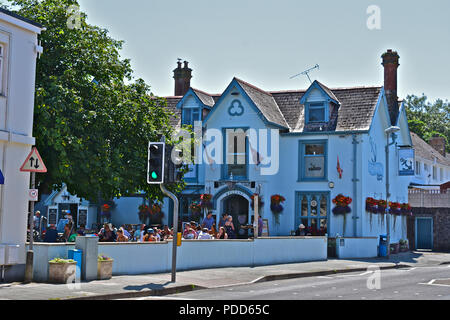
x: 331, y: 184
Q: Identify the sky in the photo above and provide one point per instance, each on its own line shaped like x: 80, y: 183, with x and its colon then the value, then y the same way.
x: 265, y: 42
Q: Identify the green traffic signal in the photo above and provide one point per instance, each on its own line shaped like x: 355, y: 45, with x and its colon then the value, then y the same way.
x: 154, y: 175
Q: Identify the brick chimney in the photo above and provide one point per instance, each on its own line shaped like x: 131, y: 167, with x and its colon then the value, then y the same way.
x: 182, y: 78
x: 390, y: 64
x: 438, y: 143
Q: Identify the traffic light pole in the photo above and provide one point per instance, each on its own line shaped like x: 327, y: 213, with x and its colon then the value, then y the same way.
x: 175, y: 229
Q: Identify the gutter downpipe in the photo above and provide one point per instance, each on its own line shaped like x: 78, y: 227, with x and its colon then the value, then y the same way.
x: 355, y: 181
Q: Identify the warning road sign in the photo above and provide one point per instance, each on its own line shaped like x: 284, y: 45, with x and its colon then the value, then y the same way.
x: 33, y: 163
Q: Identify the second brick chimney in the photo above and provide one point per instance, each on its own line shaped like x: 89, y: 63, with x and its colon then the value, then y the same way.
x: 182, y: 78
x: 438, y: 143
x: 390, y: 64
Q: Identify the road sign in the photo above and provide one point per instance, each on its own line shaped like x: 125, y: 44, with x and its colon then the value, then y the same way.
x: 33, y: 195
x: 2, y: 178
x: 33, y: 163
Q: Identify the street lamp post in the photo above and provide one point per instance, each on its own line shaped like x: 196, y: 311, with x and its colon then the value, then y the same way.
x: 390, y: 132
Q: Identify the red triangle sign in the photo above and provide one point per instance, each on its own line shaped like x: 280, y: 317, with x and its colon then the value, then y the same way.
x: 33, y: 163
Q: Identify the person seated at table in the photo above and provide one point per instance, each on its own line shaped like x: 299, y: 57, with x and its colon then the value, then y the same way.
x: 204, y: 235
x: 222, y: 234
x: 67, y: 233
x: 187, y: 227
x: 157, y: 233
x: 213, y: 231
x: 223, y: 220
x: 51, y: 235
x: 121, y: 237
x: 300, y: 231
x: 107, y: 234
x: 150, y: 236
x: 165, y: 233
x: 140, y: 233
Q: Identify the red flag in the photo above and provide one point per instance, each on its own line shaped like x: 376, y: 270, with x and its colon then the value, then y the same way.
x: 339, y: 170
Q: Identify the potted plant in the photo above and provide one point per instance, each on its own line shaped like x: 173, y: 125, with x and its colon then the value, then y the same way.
x: 395, y: 248
x: 404, y: 247
x: 276, y: 207
x: 104, y: 267
x: 342, y: 206
x: 59, y: 270
x: 371, y: 208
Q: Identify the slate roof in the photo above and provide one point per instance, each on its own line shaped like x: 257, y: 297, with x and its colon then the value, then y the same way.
x: 425, y: 151
x: 265, y: 103
x: 15, y: 15
x: 355, y: 112
x: 206, y: 98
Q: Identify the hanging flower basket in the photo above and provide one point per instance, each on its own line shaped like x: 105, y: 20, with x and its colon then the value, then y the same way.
x: 260, y: 202
x: 106, y: 211
x: 143, y: 213
x: 372, y: 205
x: 342, y: 204
x: 276, y: 207
x: 156, y: 208
x: 342, y: 207
x: 195, y: 207
x: 406, y: 209
x: 205, y: 201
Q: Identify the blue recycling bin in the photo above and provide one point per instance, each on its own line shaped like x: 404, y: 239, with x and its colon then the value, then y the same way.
x: 76, y: 255
x: 382, y: 248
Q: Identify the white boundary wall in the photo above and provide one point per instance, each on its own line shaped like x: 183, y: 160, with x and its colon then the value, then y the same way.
x: 156, y: 257
x: 357, y: 247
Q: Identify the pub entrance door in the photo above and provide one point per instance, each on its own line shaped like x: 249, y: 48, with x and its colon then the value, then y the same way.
x: 237, y: 207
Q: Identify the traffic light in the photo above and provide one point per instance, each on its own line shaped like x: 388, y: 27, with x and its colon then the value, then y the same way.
x: 155, y: 171
x: 172, y: 172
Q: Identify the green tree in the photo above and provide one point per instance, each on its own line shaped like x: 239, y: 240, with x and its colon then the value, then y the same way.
x: 93, y: 121
x: 428, y: 119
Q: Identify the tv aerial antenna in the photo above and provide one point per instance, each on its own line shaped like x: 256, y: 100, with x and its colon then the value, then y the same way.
x: 306, y: 72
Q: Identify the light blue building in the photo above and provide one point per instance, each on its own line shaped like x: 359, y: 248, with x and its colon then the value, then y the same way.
x: 321, y: 141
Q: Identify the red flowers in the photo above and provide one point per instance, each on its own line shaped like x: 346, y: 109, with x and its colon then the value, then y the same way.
x: 277, y: 199
x: 342, y: 201
x: 106, y: 207
x: 195, y: 207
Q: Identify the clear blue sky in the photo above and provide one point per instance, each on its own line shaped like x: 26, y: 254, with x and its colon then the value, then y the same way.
x: 266, y: 42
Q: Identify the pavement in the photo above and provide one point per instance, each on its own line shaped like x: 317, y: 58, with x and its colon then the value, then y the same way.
x: 132, y: 286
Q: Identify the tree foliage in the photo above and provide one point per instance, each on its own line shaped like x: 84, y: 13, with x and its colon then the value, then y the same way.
x: 92, y: 120
x: 429, y: 119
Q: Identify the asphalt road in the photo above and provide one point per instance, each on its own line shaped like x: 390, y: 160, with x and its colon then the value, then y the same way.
x: 418, y: 283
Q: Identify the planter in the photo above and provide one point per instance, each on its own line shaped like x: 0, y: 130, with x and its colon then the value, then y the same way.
x: 404, y: 249
x: 61, y: 272
x: 395, y: 248
x: 104, y: 269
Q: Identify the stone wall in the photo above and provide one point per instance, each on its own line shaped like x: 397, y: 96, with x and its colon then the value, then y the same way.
x: 441, y: 227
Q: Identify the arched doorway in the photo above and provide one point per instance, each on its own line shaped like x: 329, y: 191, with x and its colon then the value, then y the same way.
x: 237, y: 206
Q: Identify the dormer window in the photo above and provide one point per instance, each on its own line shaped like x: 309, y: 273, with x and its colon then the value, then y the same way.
x: 190, y: 115
x: 316, y: 112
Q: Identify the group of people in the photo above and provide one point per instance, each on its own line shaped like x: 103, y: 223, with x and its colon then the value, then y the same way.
x: 207, y: 229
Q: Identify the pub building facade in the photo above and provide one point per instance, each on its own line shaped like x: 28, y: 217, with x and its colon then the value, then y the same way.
x: 330, y: 142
